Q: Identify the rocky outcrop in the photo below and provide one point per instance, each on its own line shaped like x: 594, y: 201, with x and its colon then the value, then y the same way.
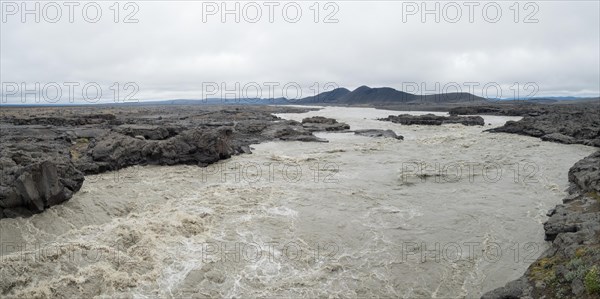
x: 37, y: 187
x: 569, y: 268
x: 584, y: 175
x: 320, y: 123
x: 434, y: 120
x: 501, y: 109
x: 378, y: 133
x: 148, y: 131
x: 114, y: 151
x: 559, y: 138
x: 35, y: 180
x: 567, y: 125
x: 43, y: 159
x: 67, y: 120
x: 512, y: 290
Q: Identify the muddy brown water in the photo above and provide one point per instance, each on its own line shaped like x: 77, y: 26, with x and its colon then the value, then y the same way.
x: 451, y: 211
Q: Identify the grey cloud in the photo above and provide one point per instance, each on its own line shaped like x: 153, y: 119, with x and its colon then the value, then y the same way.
x: 170, y: 52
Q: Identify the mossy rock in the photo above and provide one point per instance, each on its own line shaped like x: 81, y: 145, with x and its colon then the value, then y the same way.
x: 82, y: 141
x: 580, y: 252
x: 592, y: 281
x: 78, y: 148
x: 543, y: 270
x: 593, y: 194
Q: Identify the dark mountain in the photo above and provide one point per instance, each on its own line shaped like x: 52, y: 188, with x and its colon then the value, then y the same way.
x: 451, y: 97
x: 324, y: 97
x: 385, y: 96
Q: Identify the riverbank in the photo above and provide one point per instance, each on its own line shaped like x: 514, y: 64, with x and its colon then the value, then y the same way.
x: 358, y: 187
x: 570, y: 268
x: 354, y: 207
x: 46, y: 151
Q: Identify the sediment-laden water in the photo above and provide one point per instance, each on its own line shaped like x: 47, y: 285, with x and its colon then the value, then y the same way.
x: 451, y: 211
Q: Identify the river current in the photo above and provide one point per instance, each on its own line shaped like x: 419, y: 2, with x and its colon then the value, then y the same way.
x: 450, y: 211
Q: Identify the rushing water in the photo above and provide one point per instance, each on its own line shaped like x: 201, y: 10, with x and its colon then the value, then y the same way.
x: 450, y: 211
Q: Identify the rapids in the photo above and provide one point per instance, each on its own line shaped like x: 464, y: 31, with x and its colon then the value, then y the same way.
x: 450, y: 211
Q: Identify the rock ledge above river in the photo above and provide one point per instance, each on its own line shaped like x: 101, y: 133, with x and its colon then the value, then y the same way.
x: 434, y: 120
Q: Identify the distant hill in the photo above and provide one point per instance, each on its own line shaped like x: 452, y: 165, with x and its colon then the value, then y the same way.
x: 172, y: 102
x: 544, y: 100
x: 362, y: 96
x: 451, y: 97
x: 558, y: 100
x: 210, y: 101
x: 595, y: 100
x: 324, y: 97
x: 365, y: 95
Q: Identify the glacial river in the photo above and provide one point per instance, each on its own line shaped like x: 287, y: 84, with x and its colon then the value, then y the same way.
x: 450, y: 211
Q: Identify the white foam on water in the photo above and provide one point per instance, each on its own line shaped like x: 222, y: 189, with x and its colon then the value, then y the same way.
x: 351, y: 214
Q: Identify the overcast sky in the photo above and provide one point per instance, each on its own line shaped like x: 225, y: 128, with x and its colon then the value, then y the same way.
x: 183, y: 50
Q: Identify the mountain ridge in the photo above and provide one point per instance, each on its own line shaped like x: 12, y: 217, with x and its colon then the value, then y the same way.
x: 386, y: 95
